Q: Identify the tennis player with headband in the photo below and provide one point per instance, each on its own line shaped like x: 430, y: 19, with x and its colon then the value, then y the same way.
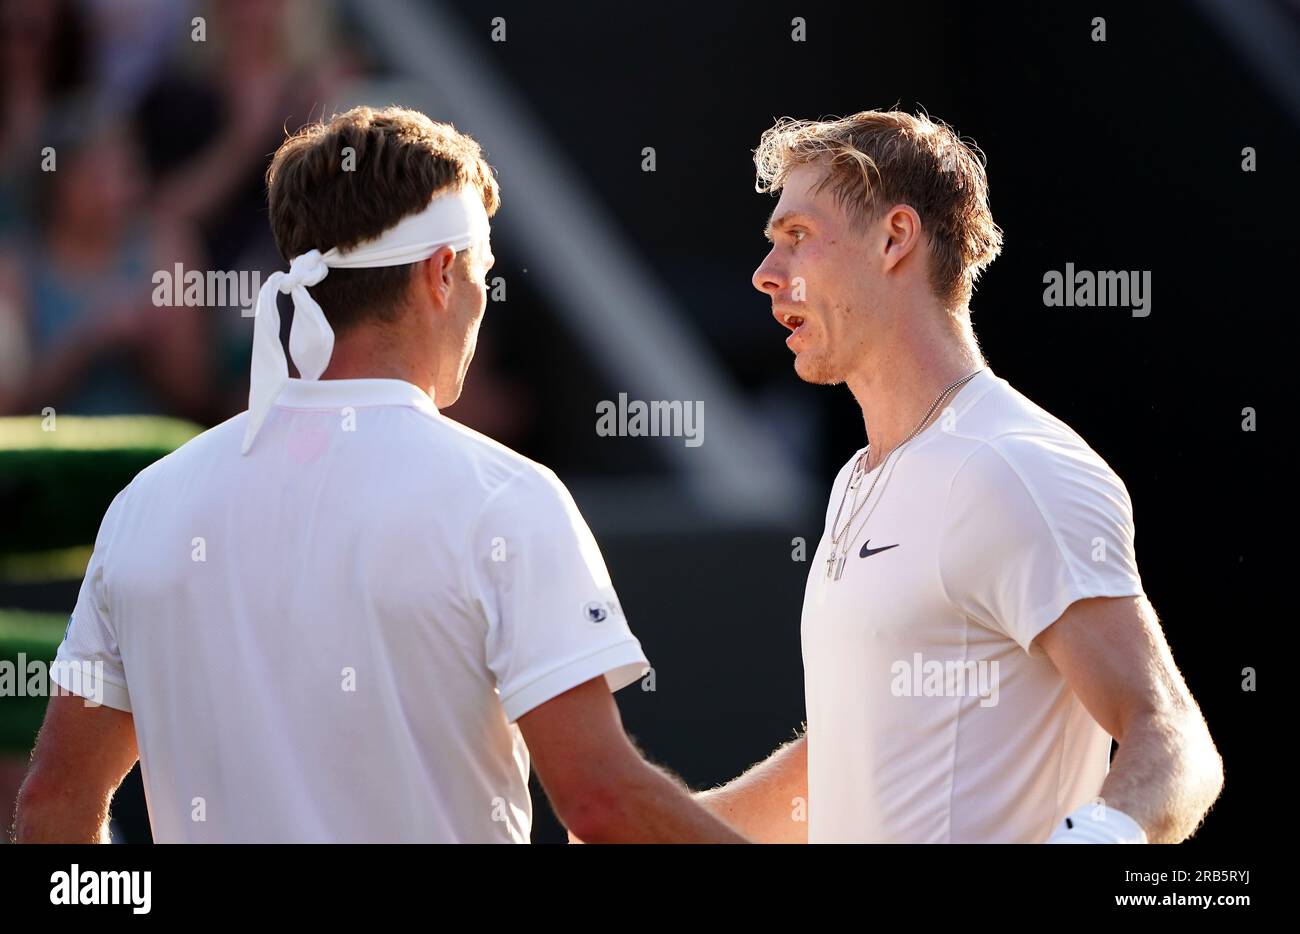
x: 341, y: 616
x: 975, y: 631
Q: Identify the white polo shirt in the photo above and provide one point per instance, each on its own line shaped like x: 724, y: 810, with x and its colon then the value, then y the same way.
x: 330, y: 638
x: 932, y: 715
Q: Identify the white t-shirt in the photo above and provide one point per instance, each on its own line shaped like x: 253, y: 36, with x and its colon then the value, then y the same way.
x: 330, y: 638
x: 932, y: 715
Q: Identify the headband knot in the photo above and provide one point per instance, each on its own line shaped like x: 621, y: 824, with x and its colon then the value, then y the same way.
x: 308, y: 269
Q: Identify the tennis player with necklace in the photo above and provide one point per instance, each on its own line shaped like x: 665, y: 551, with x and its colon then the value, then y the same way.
x: 966, y: 667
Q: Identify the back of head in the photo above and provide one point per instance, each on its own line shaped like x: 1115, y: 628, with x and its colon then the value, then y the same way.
x: 341, y: 183
x: 879, y: 158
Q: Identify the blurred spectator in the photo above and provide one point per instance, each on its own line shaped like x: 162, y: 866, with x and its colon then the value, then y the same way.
x: 44, y: 49
x: 80, y: 286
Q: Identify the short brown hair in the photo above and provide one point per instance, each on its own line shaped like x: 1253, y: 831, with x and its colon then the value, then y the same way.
x: 399, y: 160
x: 876, y: 159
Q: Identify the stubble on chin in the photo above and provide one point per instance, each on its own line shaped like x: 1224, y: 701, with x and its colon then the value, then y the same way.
x: 816, y: 371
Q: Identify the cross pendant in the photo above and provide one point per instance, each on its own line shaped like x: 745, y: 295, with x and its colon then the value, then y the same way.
x: 834, y: 566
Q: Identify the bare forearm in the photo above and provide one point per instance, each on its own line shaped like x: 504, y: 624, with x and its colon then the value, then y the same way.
x: 769, y: 803
x: 66, y: 820
x: 648, y: 805
x: 1166, y: 775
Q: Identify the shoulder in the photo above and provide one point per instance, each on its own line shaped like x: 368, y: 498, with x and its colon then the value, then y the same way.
x: 1021, y: 480
x: 1013, y: 446
x: 507, y: 485
x: 500, y: 469
x: 206, y: 448
x: 1034, y: 519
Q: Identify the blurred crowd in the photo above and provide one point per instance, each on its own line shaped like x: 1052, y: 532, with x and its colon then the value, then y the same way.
x: 133, y: 137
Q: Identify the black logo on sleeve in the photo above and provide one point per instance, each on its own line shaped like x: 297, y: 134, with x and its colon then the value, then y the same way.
x: 867, y: 551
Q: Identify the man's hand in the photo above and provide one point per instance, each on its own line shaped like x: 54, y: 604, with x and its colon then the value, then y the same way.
x: 769, y: 803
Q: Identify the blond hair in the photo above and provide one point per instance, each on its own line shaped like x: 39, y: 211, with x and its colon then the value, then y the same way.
x: 877, y: 159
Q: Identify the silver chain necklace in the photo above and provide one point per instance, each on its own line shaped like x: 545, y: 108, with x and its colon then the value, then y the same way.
x: 841, y: 542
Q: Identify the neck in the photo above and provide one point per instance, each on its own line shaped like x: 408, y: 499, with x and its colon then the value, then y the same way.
x: 368, y: 352
x: 903, y: 377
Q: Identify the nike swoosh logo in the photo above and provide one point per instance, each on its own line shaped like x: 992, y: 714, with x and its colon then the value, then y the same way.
x: 867, y: 551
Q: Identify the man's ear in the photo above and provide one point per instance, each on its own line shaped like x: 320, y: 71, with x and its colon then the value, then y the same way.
x: 436, y: 275
x: 902, y: 230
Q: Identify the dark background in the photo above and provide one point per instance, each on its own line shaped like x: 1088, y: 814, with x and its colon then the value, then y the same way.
x: 1124, y: 154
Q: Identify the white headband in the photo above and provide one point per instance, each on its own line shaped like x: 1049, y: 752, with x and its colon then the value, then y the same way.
x: 455, y: 219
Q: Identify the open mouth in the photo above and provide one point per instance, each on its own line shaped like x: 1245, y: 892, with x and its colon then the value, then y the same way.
x: 790, y: 320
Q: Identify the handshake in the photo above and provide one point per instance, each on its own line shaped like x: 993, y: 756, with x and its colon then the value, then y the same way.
x: 604, y: 791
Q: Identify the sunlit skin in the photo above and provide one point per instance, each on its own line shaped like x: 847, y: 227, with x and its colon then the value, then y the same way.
x: 432, y: 342
x: 820, y: 275
x: 466, y: 304
x: 860, y: 306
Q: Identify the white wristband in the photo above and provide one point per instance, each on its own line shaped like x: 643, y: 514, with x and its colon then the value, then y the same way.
x: 1096, y: 823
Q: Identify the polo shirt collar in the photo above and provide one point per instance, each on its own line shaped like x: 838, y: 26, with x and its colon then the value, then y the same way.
x: 337, y: 393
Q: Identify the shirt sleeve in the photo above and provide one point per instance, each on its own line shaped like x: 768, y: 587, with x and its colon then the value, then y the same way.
x: 553, y: 618
x: 1031, y: 526
x: 88, y: 662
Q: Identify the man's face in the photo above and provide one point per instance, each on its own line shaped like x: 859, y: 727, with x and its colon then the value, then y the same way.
x: 466, y: 306
x: 821, y: 278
